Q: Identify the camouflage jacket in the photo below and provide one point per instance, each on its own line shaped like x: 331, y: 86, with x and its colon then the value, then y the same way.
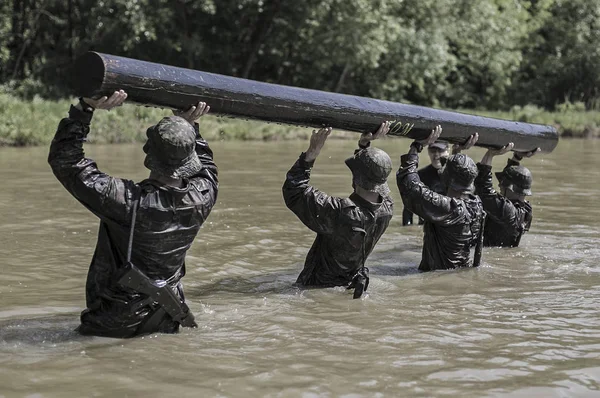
x: 507, y: 220
x: 452, y: 225
x: 347, y: 228
x: 168, y: 219
x: 430, y: 177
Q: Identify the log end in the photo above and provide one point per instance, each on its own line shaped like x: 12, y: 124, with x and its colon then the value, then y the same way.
x: 88, y: 74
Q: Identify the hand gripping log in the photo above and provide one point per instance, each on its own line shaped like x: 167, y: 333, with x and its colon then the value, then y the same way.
x: 166, y: 86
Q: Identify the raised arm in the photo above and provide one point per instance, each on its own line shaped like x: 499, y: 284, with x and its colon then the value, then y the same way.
x: 518, y: 157
x: 208, y: 176
x: 417, y: 197
x: 105, y: 196
x: 483, y: 182
x: 497, y: 206
x: 471, y: 141
x: 491, y: 153
x: 317, y: 210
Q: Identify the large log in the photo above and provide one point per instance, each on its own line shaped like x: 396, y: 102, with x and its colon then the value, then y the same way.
x: 160, y: 85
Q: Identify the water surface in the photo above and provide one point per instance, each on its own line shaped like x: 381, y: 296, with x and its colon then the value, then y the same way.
x: 526, y: 323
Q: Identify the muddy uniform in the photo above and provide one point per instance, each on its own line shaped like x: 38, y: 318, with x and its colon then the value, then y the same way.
x: 507, y: 220
x: 430, y: 177
x: 451, y: 226
x: 347, y: 228
x: 168, y: 220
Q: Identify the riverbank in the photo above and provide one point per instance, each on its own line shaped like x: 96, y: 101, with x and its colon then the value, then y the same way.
x: 30, y: 123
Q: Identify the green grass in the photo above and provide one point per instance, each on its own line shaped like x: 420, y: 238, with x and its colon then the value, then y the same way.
x: 28, y: 123
x: 571, y: 120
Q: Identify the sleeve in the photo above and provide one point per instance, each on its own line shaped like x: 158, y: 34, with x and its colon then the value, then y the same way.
x: 407, y: 215
x: 495, y: 205
x: 317, y: 210
x: 105, y: 196
x: 207, y: 178
x: 421, y: 200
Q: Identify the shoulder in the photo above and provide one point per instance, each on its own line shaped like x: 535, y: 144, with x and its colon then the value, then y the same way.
x: 324, y: 200
x: 523, y: 206
x: 346, y: 203
x: 388, y: 204
x: 200, y: 185
x: 471, y: 205
x: 116, y: 188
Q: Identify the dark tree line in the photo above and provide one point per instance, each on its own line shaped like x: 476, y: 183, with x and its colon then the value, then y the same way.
x: 450, y: 53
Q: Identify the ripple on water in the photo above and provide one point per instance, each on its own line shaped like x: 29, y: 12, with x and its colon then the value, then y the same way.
x: 526, y: 323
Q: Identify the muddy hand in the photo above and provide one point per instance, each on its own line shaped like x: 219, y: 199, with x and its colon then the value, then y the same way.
x: 116, y: 99
x: 471, y: 141
x: 433, y: 137
x: 381, y: 132
x: 194, y: 112
x: 317, y: 141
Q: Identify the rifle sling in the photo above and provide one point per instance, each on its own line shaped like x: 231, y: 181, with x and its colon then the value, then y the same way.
x: 159, y: 291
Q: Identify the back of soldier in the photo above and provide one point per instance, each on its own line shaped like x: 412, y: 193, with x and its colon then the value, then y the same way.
x: 167, y: 224
x: 358, y: 230
x: 356, y: 233
x: 447, y: 244
x: 507, y: 232
x: 453, y: 220
x: 347, y: 228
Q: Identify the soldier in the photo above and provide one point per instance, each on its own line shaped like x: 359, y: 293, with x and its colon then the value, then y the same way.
x: 453, y: 222
x: 509, y: 215
x: 430, y: 176
x: 347, y: 228
x: 134, y: 280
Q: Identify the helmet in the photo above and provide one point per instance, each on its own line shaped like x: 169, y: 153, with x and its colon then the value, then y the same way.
x: 517, y: 178
x: 459, y: 172
x: 370, y: 168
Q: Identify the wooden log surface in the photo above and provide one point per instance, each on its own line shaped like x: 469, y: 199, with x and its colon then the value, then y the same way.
x: 153, y: 84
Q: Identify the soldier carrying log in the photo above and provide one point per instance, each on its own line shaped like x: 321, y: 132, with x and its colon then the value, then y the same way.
x: 509, y: 215
x: 347, y: 228
x: 134, y: 279
x: 430, y: 175
x: 454, y: 221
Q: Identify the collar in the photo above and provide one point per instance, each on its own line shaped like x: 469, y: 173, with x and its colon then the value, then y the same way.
x: 361, y: 202
x: 164, y: 187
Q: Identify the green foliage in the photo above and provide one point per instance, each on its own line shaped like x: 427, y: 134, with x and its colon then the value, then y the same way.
x: 485, y: 39
x: 449, y: 53
x: 561, y: 63
x: 5, y: 34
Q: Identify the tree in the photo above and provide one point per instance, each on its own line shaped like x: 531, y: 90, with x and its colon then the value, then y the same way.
x: 561, y: 64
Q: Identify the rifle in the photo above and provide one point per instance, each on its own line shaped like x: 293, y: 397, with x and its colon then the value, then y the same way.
x: 160, y: 292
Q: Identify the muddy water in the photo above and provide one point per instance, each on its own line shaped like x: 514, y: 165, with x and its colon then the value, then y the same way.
x: 527, y: 323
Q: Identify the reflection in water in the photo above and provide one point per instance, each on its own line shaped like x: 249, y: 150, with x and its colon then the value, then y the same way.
x: 526, y: 323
